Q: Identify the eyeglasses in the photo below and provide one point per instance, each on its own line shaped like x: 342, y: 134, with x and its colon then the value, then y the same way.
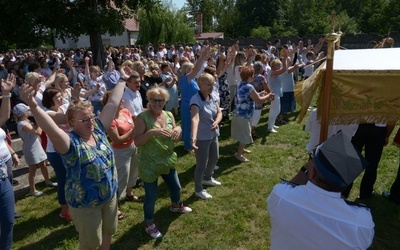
x: 87, y: 120
x: 155, y: 101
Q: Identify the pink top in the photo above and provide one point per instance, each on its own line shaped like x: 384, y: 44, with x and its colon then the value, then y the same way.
x: 123, y: 128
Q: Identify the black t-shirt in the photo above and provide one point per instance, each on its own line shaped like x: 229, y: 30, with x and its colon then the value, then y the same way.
x: 146, y: 84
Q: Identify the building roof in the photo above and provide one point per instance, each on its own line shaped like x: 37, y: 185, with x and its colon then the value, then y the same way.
x: 209, y: 35
x: 131, y: 24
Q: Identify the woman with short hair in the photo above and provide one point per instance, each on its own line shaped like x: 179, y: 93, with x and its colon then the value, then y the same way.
x: 155, y: 132
x: 245, y: 96
x: 91, y: 182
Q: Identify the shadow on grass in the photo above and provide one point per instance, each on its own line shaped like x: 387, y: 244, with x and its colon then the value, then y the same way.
x: 52, y: 240
x: 387, y: 228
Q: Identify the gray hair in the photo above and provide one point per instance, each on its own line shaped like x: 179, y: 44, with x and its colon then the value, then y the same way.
x: 258, y: 66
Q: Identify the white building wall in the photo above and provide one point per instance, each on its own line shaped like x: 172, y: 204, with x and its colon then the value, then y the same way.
x: 84, y: 41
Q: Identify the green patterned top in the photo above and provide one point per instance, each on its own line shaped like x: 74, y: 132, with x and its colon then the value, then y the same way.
x: 156, y: 156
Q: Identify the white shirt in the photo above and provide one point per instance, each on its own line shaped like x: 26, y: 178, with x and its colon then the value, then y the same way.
x: 133, y: 101
x: 308, y: 217
x: 313, y: 126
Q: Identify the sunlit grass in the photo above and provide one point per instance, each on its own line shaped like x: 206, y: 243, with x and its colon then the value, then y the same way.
x: 236, y: 217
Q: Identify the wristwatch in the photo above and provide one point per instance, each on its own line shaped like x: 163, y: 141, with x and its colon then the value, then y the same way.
x: 304, y: 169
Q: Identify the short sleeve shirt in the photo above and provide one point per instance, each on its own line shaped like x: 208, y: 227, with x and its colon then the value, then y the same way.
x: 244, y: 105
x: 98, y: 95
x: 133, y: 101
x: 207, y: 114
x: 257, y: 83
x: 91, y: 172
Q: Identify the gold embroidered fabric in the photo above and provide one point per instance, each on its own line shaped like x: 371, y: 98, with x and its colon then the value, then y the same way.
x: 357, y: 96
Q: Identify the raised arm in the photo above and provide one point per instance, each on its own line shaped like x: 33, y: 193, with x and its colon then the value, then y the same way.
x: 227, y: 62
x: 282, y: 69
x: 107, y: 114
x: 6, y: 88
x: 205, y: 53
x: 58, y: 137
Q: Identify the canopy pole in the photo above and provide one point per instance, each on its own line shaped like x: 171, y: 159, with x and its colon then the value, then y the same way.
x: 331, y: 38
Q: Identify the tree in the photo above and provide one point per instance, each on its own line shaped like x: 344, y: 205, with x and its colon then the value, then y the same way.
x: 254, y: 13
x: 206, y: 8
x: 226, y: 17
x: 163, y: 24
x: 261, y: 31
x: 66, y: 19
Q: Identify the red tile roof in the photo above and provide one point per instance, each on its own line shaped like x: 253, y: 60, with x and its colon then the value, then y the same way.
x: 203, y: 36
x: 131, y: 24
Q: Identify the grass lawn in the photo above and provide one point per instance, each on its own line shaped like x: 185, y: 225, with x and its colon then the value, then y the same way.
x: 235, y: 218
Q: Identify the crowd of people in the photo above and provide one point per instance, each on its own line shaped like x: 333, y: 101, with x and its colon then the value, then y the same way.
x: 104, y: 129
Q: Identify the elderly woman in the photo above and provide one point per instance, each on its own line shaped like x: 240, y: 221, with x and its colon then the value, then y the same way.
x: 7, y: 159
x: 275, y: 85
x: 245, y: 97
x: 206, y: 115
x: 260, y: 84
x: 91, y: 183
x: 155, y: 132
x: 188, y: 87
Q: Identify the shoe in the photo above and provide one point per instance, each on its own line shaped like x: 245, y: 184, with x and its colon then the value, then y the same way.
x: 52, y: 184
x: 36, y: 193
x: 246, y: 151
x: 255, y: 136
x: 66, y: 215
x: 203, y: 194
x: 272, y: 130
x: 367, y: 196
x: 152, y: 230
x: 180, y: 209
x: 17, y: 215
x: 216, y: 167
x: 212, y: 182
x: 15, y: 183
x: 241, y: 158
x: 386, y: 194
x: 282, y: 121
x: 133, y: 198
x: 275, y: 127
x: 120, y: 215
x: 138, y: 184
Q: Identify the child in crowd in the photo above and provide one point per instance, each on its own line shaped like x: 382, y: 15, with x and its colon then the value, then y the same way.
x: 34, y: 154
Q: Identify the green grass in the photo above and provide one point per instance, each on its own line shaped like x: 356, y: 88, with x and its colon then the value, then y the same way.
x: 236, y: 217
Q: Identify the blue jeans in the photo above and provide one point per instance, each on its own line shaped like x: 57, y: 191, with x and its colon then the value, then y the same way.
x: 61, y: 174
x: 6, y: 214
x: 150, y: 188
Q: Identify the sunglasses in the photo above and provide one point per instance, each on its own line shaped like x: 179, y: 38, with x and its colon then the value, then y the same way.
x: 87, y: 120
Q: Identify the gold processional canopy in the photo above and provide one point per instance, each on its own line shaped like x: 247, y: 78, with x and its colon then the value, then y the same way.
x: 365, y: 87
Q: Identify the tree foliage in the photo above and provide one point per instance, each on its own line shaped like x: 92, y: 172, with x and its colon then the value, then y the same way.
x: 28, y: 24
x: 162, y: 24
x: 208, y: 10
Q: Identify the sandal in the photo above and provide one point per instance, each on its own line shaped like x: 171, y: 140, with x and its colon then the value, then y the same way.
x: 120, y: 215
x: 133, y: 198
x: 241, y: 158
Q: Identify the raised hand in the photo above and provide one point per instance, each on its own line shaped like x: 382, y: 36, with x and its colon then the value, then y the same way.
x: 27, y: 95
x: 75, y: 94
x: 125, y: 72
x: 8, y: 85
